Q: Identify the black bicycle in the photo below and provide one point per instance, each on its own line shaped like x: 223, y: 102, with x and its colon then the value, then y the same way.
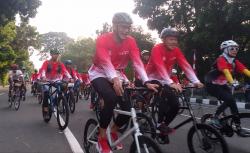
x: 199, y: 135
x: 56, y: 102
x: 16, y: 94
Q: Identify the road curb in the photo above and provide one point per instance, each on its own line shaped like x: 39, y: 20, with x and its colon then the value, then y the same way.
x: 215, y: 102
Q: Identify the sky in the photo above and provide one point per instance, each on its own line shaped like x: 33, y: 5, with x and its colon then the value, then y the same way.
x: 80, y: 18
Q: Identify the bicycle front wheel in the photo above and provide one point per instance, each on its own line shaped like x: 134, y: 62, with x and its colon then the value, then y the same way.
x: 146, y: 145
x: 72, y: 102
x: 90, y: 136
x: 62, y: 113
x: 199, y: 142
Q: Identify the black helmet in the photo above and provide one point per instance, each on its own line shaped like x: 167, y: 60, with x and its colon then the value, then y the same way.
x: 121, y: 18
x: 35, y: 70
x: 168, y: 32
x: 55, y: 51
x: 67, y: 62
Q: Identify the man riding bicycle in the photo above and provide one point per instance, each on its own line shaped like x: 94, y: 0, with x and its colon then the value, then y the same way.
x: 52, y: 70
x: 217, y: 80
x: 14, y: 74
x: 163, y: 58
x: 113, y: 52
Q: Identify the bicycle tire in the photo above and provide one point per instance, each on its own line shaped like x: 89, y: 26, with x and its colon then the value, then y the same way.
x: 62, y: 110
x: 71, y: 101
x: 17, y: 103
x: 86, y: 144
x: 46, y: 113
x: 207, y: 144
x: 150, y: 144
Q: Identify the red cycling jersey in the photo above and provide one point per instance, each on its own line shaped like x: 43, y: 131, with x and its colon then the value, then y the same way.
x: 85, y: 78
x: 162, y: 61
x: 53, y: 74
x: 222, y: 64
x: 72, y: 73
x: 111, y: 58
x: 34, y: 77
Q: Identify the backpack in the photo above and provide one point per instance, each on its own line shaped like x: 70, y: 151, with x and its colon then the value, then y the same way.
x: 215, y: 73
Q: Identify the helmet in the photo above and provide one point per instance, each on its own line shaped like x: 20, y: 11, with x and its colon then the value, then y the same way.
x: 169, y: 32
x: 35, y: 70
x: 14, y: 66
x: 67, y: 62
x: 174, y: 71
x: 121, y: 18
x: 145, y: 52
x: 55, y: 51
x: 228, y: 43
x: 23, y: 68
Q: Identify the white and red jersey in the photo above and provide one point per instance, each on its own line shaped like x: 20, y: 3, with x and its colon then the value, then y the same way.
x: 85, y: 78
x: 72, y: 73
x: 111, y: 58
x: 34, y: 77
x: 162, y: 61
x: 221, y: 64
x: 53, y: 71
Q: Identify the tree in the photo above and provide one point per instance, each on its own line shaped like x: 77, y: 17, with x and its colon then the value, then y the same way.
x: 25, y: 8
x: 204, y: 24
x: 81, y: 53
x: 53, y: 40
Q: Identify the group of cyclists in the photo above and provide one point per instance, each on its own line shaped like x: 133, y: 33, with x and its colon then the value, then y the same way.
x: 153, y: 70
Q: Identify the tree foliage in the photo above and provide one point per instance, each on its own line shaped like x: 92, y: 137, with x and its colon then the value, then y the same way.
x: 81, y: 53
x: 204, y: 24
x: 53, y: 40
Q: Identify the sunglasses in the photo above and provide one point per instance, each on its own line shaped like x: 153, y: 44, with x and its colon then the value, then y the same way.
x: 232, y: 48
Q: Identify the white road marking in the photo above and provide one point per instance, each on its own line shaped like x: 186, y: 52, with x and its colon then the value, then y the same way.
x: 73, y: 143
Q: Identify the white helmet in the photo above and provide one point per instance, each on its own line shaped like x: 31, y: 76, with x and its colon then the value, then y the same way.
x: 228, y: 43
x: 174, y: 71
x: 144, y: 52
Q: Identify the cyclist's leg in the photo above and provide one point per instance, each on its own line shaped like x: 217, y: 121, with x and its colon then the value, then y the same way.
x: 104, y: 88
x: 170, y: 100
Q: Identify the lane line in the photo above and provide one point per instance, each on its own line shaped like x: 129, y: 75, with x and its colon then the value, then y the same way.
x: 73, y: 143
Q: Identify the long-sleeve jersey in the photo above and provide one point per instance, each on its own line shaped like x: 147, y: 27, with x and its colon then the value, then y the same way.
x: 161, y: 63
x: 222, y: 64
x: 53, y: 71
x: 34, y: 76
x: 111, y: 58
x: 72, y: 73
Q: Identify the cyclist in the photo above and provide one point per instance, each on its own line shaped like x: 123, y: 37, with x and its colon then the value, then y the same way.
x: 163, y: 57
x: 74, y: 74
x: 52, y: 70
x: 113, y: 52
x: 34, y: 84
x: 217, y: 80
x: 26, y: 79
x: 14, y: 74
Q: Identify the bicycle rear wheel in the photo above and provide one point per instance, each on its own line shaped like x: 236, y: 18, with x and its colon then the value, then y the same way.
x: 62, y: 112
x: 90, y: 136
x: 198, y: 141
x: 146, y: 144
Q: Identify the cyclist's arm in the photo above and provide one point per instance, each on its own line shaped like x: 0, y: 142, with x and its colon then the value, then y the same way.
x: 103, y: 59
x: 228, y: 75
x: 186, y: 67
x: 157, y: 60
x: 137, y: 62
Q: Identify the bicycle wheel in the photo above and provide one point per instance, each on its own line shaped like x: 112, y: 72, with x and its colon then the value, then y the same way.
x: 155, y: 112
x: 76, y: 94
x: 90, y: 136
x: 86, y: 93
x: 244, y: 119
x: 62, y: 112
x: 71, y: 101
x: 17, y: 103
x: 47, y: 114
x: 146, y: 144
x: 199, y: 142
x: 40, y: 98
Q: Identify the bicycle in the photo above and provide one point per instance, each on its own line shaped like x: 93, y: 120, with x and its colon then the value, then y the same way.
x: 140, y: 141
x: 227, y: 121
x: 70, y: 96
x: 16, y: 94
x: 202, y: 132
x: 56, y: 99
